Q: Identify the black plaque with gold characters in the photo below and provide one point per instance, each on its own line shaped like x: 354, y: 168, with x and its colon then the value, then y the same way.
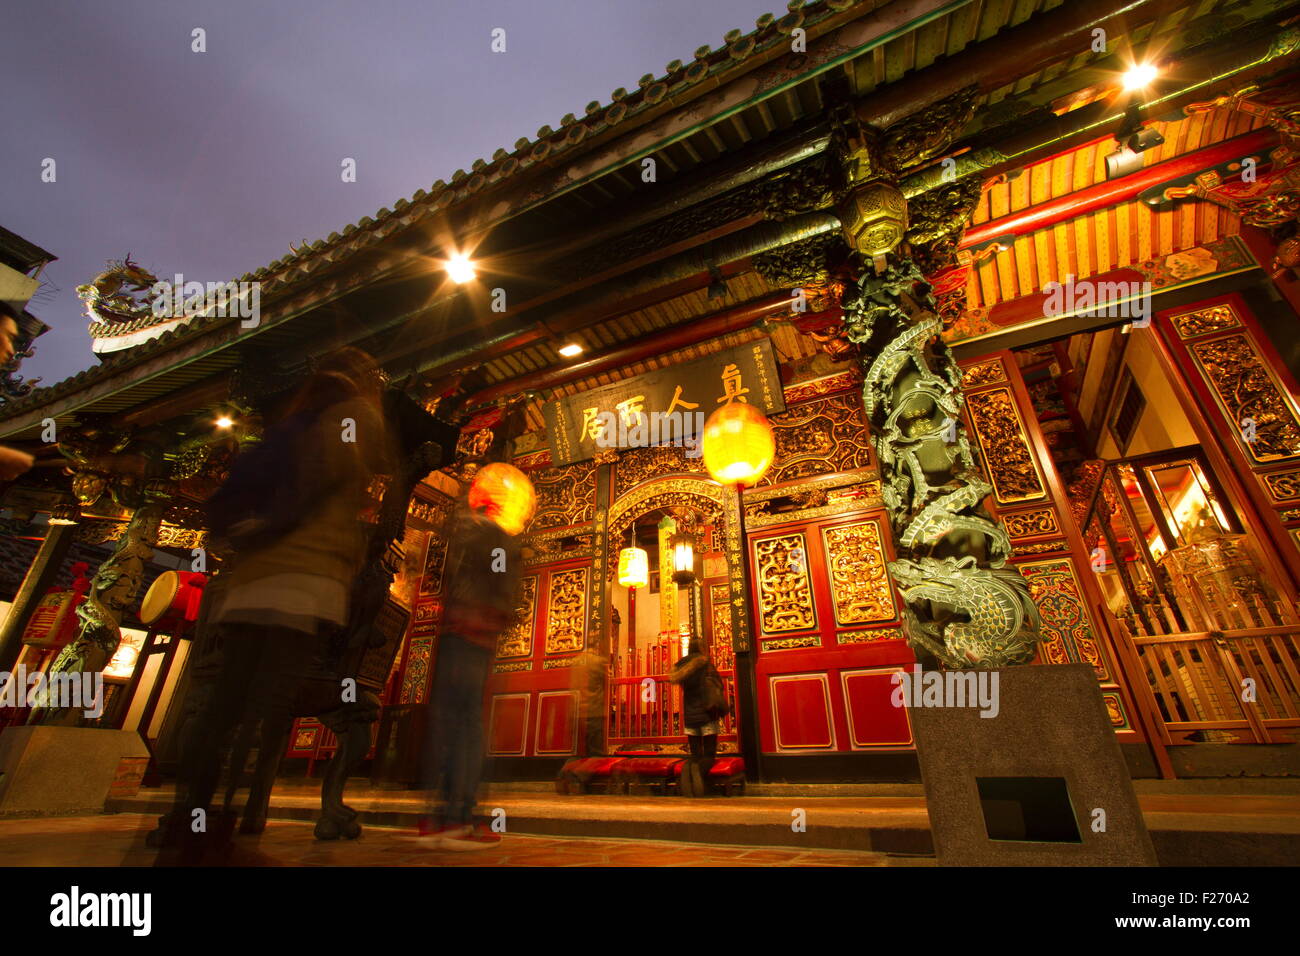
x: 666, y: 406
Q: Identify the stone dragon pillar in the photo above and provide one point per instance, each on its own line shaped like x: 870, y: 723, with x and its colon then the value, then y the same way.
x: 104, y: 461
x: 963, y: 606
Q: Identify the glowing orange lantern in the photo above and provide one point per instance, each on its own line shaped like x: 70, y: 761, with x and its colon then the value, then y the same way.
x: 505, y: 494
x: 633, y: 568
x: 738, y: 445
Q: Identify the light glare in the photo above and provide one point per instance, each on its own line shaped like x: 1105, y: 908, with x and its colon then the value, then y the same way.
x: 460, y: 269
x: 1139, y: 76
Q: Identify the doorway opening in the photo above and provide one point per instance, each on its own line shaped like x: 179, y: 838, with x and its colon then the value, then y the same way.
x: 1208, y: 626
x: 686, y: 596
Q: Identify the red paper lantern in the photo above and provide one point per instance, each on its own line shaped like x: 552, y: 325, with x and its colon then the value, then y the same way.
x: 738, y: 445
x: 633, y: 568
x: 505, y: 494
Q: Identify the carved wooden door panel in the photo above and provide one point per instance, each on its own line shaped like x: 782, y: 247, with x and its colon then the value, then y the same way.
x: 1031, y: 500
x: 531, y: 708
x: 1243, y: 401
x: 827, y: 636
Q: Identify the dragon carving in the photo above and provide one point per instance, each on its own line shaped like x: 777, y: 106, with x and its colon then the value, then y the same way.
x: 113, y: 588
x: 119, y: 294
x: 964, y: 608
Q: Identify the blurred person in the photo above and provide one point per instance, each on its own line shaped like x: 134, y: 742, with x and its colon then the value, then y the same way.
x: 590, y: 675
x: 12, y: 461
x: 290, y: 512
x: 482, y: 583
x: 704, y: 704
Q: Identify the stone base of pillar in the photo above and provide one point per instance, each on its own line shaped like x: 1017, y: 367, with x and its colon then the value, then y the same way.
x: 59, y: 770
x: 1040, y: 781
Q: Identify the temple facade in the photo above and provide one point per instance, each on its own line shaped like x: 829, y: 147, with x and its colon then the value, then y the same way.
x: 1022, y: 319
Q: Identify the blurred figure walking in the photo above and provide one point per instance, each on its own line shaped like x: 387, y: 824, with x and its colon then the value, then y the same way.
x: 291, y: 513
x: 704, y: 704
x: 481, y: 581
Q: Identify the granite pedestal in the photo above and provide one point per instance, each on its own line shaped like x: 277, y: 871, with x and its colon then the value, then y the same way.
x: 1041, y: 783
x: 66, y: 769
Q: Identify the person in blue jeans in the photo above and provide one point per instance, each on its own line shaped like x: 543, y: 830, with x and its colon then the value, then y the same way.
x: 481, y: 581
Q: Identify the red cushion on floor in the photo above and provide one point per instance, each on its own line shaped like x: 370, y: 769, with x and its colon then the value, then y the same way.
x: 727, y: 767
x: 654, y: 766
x: 592, y: 766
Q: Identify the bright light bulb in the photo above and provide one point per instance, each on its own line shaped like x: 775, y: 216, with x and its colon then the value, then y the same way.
x: 1139, y: 75
x: 460, y: 269
x: 225, y: 421
x: 570, y: 350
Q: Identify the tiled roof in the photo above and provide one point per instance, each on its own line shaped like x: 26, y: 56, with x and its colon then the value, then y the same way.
x: 732, y: 58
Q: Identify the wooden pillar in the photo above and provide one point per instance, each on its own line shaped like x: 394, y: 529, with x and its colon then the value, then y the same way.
x: 746, y: 682
x: 39, y: 579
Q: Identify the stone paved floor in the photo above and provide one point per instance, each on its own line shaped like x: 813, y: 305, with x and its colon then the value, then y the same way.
x: 117, y: 840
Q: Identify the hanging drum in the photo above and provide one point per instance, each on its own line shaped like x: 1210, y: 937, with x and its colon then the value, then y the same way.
x: 173, y: 599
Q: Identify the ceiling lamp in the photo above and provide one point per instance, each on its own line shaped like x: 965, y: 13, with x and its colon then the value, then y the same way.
x: 459, y: 268
x: 1139, y: 76
x: 505, y: 494
x: 570, y: 349
x: 738, y: 445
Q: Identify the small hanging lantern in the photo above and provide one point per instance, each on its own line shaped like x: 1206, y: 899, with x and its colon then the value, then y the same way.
x: 683, y: 545
x: 633, y: 567
x: 738, y: 445
x: 505, y: 494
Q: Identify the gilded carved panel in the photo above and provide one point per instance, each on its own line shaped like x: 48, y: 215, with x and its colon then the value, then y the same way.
x: 704, y: 497
x: 416, y: 678
x: 518, y: 640
x: 1283, y: 485
x: 1031, y: 524
x: 1004, y: 445
x: 1068, y: 635
x: 826, y: 385
x: 435, y: 558
x: 1250, y: 396
x: 565, y: 496
x: 983, y: 373
x: 1204, y: 321
x: 567, y: 611
x: 792, y: 643
x: 720, y: 645
x: 860, y: 587
x: 639, y: 465
x: 871, y: 636
x: 784, y: 587
x: 818, y: 438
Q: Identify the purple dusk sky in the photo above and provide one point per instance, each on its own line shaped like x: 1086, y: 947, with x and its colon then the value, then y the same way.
x: 211, y: 164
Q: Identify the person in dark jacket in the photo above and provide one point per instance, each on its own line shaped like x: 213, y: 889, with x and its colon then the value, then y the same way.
x: 482, y: 581
x: 273, y: 611
x: 702, y: 715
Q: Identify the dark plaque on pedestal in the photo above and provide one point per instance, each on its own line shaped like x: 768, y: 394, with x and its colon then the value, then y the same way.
x: 1038, y: 781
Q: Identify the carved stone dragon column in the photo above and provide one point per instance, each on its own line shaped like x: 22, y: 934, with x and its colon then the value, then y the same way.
x: 104, y: 461
x: 115, y: 585
x: 962, y: 606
